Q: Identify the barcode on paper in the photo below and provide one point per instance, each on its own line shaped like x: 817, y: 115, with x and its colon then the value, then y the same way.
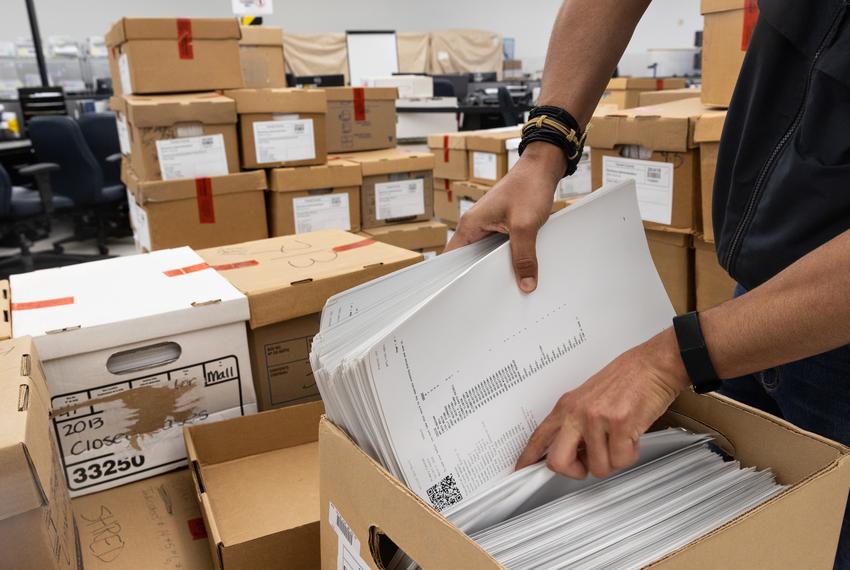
x: 445, y: 493
x: 653, y: 173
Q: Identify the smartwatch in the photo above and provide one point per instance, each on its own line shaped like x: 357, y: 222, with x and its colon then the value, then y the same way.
x: 695, y: 354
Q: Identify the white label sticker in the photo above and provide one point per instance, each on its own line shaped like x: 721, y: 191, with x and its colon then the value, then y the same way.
x: 252, y: 7
x: 139, y: 223
x: 328, y: 212
x: 123, y: 133
x: 465, y: 204
x: 341, y: 527
x: 186, y: 131
x: 513, y: 157
x: 124, y: 73
x: 654, y: 181
x: 192, y: 157
x: 484, y: 165
x: 348, y: 548
x: 284, y: 141
x: 578, y: 183
x: 400, y: 199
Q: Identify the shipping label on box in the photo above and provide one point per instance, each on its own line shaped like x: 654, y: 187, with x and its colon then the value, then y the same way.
x: 484, y: 165
x: 399, y: 199
x: 139, y: 223
x: 124, y: 74
x: 123, y: 133
x: 284, y: 140
x: 325, y: 212
x: 192, y: 157
x: 654, y: 181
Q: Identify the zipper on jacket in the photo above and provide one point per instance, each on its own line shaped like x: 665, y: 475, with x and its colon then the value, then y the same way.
x: 765, y: 171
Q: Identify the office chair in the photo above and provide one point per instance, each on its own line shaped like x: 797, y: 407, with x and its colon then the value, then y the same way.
x: 509, y: 111
x: 101, y: 134
x: 100, y: 211
x: 443, y: 88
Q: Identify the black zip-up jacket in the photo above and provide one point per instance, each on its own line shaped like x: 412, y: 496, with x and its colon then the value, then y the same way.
x: 782, y: 186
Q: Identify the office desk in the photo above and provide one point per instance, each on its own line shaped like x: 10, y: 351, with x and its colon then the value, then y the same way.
x: 15, y: 153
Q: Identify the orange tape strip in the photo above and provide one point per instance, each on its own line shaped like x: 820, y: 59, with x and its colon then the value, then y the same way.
x: 445, y: 148
x: 359, y: 98
x: 237, y: 265
x: 184, y: 38
x: 751, y: 16
x: 28, y: 305
x: 355, y: 245
x: 204, y: 198
x: 186, y: 270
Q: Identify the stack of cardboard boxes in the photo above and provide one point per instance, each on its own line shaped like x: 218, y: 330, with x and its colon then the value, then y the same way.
x: 625, y: 92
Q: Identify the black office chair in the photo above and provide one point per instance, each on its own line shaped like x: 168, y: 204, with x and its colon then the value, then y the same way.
x: 101, y: 134
x: 510, y: 113
x: 443, y: 88
x: 100, y: 211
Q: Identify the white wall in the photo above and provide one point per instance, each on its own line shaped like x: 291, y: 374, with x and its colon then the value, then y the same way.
x: 667, y: 23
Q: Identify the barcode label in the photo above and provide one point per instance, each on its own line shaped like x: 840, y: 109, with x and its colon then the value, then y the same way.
x: 342, y: 528
x: 445, y: 493
x: 653, y: 173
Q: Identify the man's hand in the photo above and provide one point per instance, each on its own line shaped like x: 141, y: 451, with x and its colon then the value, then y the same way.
x: 596, y: 427
x: 518, y: 206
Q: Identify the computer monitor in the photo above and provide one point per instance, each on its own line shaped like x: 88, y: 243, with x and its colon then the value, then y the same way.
x: 483, y: 76
x: 319, y: 80
x: 460, y: 81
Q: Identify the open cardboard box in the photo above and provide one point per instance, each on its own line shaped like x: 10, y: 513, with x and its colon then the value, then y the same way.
x: 257, y: 484
x: 796, y: 529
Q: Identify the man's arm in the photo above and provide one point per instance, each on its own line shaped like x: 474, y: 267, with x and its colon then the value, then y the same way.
x: 801, y: 312
x: 587, y: 41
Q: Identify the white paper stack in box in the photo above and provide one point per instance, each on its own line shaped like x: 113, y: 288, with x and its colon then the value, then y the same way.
x: 134, y: 348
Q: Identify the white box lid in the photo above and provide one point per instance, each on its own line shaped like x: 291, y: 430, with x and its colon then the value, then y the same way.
x: 513, y: 144
x: 113, y: 302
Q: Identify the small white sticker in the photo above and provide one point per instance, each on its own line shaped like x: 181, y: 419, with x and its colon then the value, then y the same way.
x: 284, y: 141
x: 442, y: 56
x: 484, y: 165
x: 465, y: 204
x: 124, y: 75
x: 578, y: 183
x: 654, y: 181
x: 400, y: 199
x: 192, y: 157
x: 328, y: 212
x: 252, y: 7
x: 123, y: 133
x: 189, y: 130
x: 139, y: 223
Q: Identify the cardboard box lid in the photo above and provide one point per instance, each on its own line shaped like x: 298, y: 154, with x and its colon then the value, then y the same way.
x: 664, y: 127
x: 669, y: 236
x: 26, y: 454
x: 646, y: 83
x: 710, y: 6
x: 369, y: 93
x: 334, y: 174
x: 491, y: 142
x: 467, y: 189
x: 389, y: 161
x: 452, y: 141
x: 242, y: 493
x: 278, y: 100
x: 160, y: 525
x: 262, y: 36
x: 109, y: 303
x: 187, y: 188
x: 166, y: 110
x: 169, y: 29
x: 292, y: 276
x: 425, y: 234
x: 709, y: 127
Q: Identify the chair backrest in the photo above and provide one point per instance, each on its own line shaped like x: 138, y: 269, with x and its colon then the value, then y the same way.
x: 508, y: 108
x: 101, y: 134
x: 5, y: 193
x: 59, y: 140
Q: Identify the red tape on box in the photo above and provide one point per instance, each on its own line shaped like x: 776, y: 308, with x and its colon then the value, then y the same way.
x: 196, y: 528
x: 184, y: 38
x: 659, y: 84
x: 355, y: 245
x: 186, y: 270
x: 445, y: 148
x: 46, y: 303
x: 204, y: 195
x: 359, y: 103
x: 751, y: 16
x: 236, y: 265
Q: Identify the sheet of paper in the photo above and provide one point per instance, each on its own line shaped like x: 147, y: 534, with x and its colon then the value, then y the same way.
x: 124, y: 75
x: 326, y: 212
x: 484, y: 165
x: 284, y: 140
x: 654, y: 181
x: 192, y: 157
x: 399, y: 199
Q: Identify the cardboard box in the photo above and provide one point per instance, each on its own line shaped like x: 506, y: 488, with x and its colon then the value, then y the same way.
x: 655, y: 146
x: 446, y: 207
x: 281, y: 127
x: 398, y: 186
x: 624, y: 92
x: 261, y: 54
x: 671, y: 252
x: 647, y: 98
x: 155, y: 523
x: 580, y: 182
x: 418, y: 236
x: 37, y: 529
x: 256, y: 479
x: 488, y: 155
x: 174, y: 55
x: 313, y: 198
x: 361, y: 118
x: 204, y: 212
x: 450, y: 159
x: 287, y: 281
x: 707, y: 133
x: 133, y: 348
x: 728, y: 26
x: 409, y: 86
x: 796, y: 529
x: 168, y: 137
x: 713, y: 284
x: 421, y: 117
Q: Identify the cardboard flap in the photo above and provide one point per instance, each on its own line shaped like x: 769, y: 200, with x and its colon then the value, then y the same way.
x: 262, y: 36
x: 646, y: 83
x: 293, y: 276
x: 167, y: 110
x: 167, y: 29
x: 418, y: 235
x: 711, y: 6
x: 334, y: 174
x: 369, y: 93
x: 664, y: 127
x: 278, y: 100
x: 471, y: 190
x: 390, y: 161
x: 709, y: 127
x: 186, y: 189
x: 491, y: 142
x: 670, y: 236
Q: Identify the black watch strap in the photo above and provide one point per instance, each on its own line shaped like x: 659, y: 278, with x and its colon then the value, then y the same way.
x: 695, y: 354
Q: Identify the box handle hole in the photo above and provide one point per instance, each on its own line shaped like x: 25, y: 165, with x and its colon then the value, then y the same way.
x: 144, y: 358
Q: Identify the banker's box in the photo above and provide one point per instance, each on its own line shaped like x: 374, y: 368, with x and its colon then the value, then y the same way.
x: 796, y: 529
x: 674, y: 261
x: 256, y: 479
x: 133, y: 348
x: 488, y: 155
x: 728, y: 27
x: 361, y: 118
x: 261, y: 53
